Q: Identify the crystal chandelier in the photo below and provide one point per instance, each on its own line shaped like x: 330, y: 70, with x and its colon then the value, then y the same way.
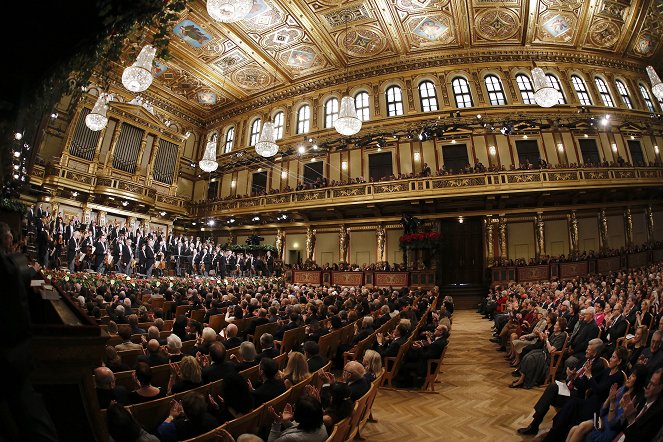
x: 138, y: 77
x: 266, y: 145
x: 208, y: 163
x: 228, y: 11
x: 347, y: 122
x: 656, y: 83
x: 544, y: 94
x: 97, y: 119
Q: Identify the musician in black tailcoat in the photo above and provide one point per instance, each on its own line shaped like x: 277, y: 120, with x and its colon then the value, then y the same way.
x: 149, y: 258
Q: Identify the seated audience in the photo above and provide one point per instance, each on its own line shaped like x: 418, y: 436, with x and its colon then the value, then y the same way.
x: 145, y: 391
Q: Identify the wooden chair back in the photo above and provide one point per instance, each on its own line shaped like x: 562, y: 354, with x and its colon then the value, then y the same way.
x: 217, y: 322
x: 555, y: 360
x: 129, y: 356
x: 198, y: 314
x: 393, y: 363
x: 432, y: 370
x: 293, y: 339
x: 157, y: 303
x: 329, y: 344
x: 182, y: 310
x: 278, y: 403
x: 245, y: 424
x: 270, y: 328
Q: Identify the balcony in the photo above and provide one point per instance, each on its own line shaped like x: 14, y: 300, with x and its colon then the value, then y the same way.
x: 438, y: 188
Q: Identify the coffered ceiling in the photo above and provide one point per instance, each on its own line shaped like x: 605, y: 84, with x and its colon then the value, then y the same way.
x: 292, y: 42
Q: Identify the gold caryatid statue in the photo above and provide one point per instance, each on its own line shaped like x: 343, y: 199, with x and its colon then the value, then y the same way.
x: 280, y: 242
x: 381, y: 240
x: 310, y: 243
x: 343, y: 240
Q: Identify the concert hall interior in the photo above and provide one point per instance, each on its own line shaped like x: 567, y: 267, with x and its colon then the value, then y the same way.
x: 347, y: 180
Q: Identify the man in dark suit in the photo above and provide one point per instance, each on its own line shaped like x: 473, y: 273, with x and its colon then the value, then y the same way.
x: 384, y: 317
x: 232, y: 340
x: 271, y: 387
x: 126, y: 257
x: 353, y: 374
x: 416, y: 358
x: 587, y: 330
x: 107, y: 391
x: 260, y: 320
x: 179, y: 252
x: 614, y: 330
x: 153, y: 356
x: 73, y: 248
x: 99, y: 254
x: 267, y: 345
x: 292, y: 324
x: 387, y: 347
x: 577, y: 382
x: 643, y: 423
x: 269, y: 260
x: 219, y: 367
x: 313, y: 357
x: 365, y: 331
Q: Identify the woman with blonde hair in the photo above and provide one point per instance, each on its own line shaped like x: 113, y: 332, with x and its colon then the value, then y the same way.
x: 296, y: 370
x: 373, y: 364
x: 185, y: 375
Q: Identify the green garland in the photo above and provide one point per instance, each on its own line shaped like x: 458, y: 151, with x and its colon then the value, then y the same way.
x: 252, y: 248
x: 11, y: 205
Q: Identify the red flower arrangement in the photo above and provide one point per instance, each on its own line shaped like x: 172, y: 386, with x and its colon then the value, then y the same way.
x: 420, y: 240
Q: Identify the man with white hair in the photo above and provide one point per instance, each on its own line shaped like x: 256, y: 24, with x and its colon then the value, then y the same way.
x: 586, y: 331
x: 107, y: 391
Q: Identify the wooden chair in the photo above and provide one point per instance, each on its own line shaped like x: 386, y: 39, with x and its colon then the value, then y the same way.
x: 245, y: 424
x: 182, y: 310
x: 210, y: 436
x: 278, y: 403
x: 165, y: 333
x: 137, y: 338
x: 329, y: 344
x: 168, y: 308
x: 217, y: 322
x: 145, y: 325
x: 432, y: 370
x: 291, y: 339
x: 157, y: 303
x: 357, y: 414
x: 168, y: 324
x: 555, y: 360
x: 340, y: 431
x: 392, y: 364
x: 129, y: 356
x: 187, y: 346
x: 198, y: 314
x: 298, y: 390
x: 270, y: 328
x: 367, y: 415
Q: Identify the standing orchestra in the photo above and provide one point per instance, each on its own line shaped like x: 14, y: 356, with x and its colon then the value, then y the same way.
x: 115, y: 248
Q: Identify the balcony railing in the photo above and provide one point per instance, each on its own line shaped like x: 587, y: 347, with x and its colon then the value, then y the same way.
x: 438, y: 187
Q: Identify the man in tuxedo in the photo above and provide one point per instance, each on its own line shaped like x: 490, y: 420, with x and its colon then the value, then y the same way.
x: 99, y: 254
x: 127, y: 257
x: 313, y: 357
x: 73, y: 249
x: 271, y: 386
x: 42, y: 246
x: 365, y: 331
x: 383, y: 318
x: 178, y: 252
x: 614, y: 330
x: 389, y: 347
x: 232, y: 340
x: 416, y: 359
x: 267, y: 345
x: 260, y: 320
x: 149, y: 258
x: 269, y: 260
x: 353, y: 374
x: 577, y: 382
x: 586, y: 331
x: 640, y: 424
x: 219, y: 367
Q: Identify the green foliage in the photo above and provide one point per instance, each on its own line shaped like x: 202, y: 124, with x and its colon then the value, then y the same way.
x: 11, y: 205
x: 252, y: 248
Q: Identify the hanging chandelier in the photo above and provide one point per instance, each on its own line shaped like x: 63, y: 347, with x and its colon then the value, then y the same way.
x: 347, y: 122
x: 266, y: 145
x: 228, y: 11
x: 97, y: 119
x: 544, y: 94
x: 208, y: 163
x: 138, y: 77
x: 656, y: 83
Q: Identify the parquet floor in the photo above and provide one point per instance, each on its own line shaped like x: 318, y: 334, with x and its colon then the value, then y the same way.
x: 474, y: 401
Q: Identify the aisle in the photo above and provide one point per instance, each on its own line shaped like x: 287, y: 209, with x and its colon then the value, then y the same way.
x: 474, y: 403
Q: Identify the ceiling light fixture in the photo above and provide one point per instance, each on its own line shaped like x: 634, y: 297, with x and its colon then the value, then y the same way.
x: 301, y: 150
x: 656, y: 83
x: 97, y: 119
x: 266, y: 145
x: 208, y: 163
x: 229, y: 11
x: 492, y: 150
x: 544, y: 94
x: 347, y: 122
x: 138, y: 77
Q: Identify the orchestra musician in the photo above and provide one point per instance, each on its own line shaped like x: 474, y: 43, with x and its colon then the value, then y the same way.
x: 149, y: 258
x: 179, y: 252
x: 73, y: 250
x: 270, y: 263
x: 100, y: 252
x: 127, y: 258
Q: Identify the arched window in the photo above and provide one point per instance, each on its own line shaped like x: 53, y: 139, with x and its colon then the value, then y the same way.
x: 581, y: 90
x: 331, y: 111
x: 394, y: 101
x: 230, y: 137
x: 554, y: 82
x: 427, y: 96
x: 255, y: 132
x: 645, y: 96
x: 462, y: 94
x: 526, y: 88
x: 278, y: 125
x: 303, y: 119
x: 362, y: 106
x: 604, y: 92
x: 623, y: 92
x: 495, y: 91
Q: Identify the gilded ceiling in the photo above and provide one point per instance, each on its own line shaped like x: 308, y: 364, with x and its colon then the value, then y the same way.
x: 289, y: 42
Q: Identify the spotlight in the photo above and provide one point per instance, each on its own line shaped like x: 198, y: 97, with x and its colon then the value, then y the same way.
x: 255, y: 218
x: 301, y: 150
x: 192, y: 165
x: 232, y: 220
x: 310, y: 140
x: 54, y: 115
x: 604, y: 121
x: 125, y: 203
x: 211, y: 223
x: 162, y: 213
x: 315, y: 147
x: 193, y: 223
x: 187, y: 134
x: 381, y: 143
x: 16, y: 176
x: 17, y: 154
x: 74, y: 194
x: 17, y: 166
x: 507, y: 129
x: 479, y: 116
x: 18, y: 135
x: 460, y: 219
x: 453, y: 141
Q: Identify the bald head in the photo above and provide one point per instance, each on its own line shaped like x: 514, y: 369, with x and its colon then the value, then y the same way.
x: 104, y: 378
x: 354, y: 370
x: 231, y: 330
x: 153, y: 346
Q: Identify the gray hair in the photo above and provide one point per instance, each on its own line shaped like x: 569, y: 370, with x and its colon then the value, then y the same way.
x: 595, y: 342
x: 174, y: 343
x: 248, y: 351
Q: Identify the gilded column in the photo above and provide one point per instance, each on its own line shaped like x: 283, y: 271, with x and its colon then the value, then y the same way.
x: 101, y: 218
x: 381, y: 242
x: 649, y: 214
x: 280, y: 242
x: 87, y: 215
x: 628, y: 227
x: 310, y: 243
x: 111, y: 151
x: 145, y: 225
x: 131, y: 224
x: 232, y: 238
x: 572, y: 222
x: 539, y: 229
x: 176, y: 174
x: 501, y: 227
x: 55, y: 209
x: 603, y: 230
x: 150, y: 162
x: 490, y: 252
x: 64, y: 158
x: 139, y: 158
x: 343, y: 240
